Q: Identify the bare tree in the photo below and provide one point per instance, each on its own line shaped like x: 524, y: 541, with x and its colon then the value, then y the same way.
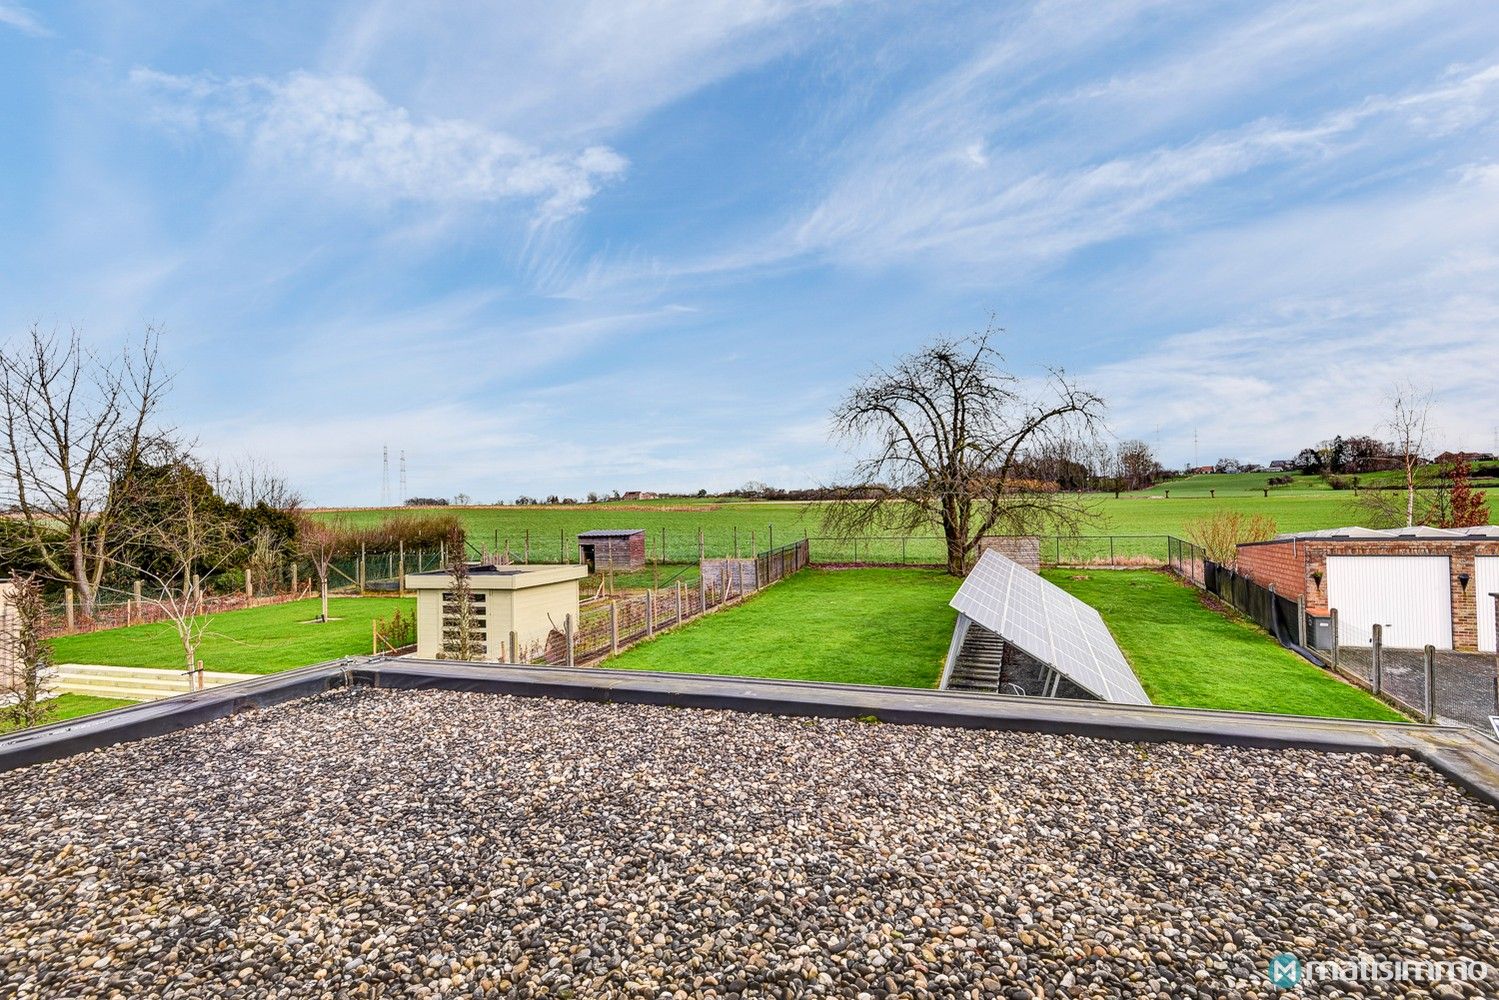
x: 949, y: 430
x: 25, y: 656
x: 250, y: 481
x: 72, y: 424
x: 459, y: 628
x: 189, y: 535
x: 1409, y: 408
x: 320, y: 541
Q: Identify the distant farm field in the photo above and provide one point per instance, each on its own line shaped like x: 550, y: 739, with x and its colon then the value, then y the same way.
x: 672, y: 525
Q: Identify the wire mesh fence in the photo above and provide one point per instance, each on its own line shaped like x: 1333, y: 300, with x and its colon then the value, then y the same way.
x: 607, y: 625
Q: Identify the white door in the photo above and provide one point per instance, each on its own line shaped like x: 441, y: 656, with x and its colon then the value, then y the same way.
x: 1410, y: 595
x: 1486, y: 569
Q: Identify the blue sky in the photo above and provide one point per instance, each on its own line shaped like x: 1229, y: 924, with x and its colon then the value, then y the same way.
x: 565, y: 246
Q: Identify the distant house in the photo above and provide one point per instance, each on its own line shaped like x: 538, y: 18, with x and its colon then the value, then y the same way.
x: 1202, y: 470
x: 1449, y: 457
x: 1282, y: 465
x: 638, y: 495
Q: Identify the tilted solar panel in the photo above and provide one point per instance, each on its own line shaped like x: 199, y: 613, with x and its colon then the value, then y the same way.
x: 1049, y: 624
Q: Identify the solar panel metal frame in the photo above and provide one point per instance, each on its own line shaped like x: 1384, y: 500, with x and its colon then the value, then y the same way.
x: 1049, y: 624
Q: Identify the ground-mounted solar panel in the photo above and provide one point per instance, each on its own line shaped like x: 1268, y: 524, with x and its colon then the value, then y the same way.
x: 1050, y: 625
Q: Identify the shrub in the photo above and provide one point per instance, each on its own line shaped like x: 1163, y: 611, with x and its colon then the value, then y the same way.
x: 1220, y: 534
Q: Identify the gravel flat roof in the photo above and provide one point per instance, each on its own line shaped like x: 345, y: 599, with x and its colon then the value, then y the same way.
x: 439, y: 843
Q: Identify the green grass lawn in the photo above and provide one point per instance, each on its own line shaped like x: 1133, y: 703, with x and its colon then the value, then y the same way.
x: 866, y: 626
x: 71, y: 706
x: 256, y: 641
x: 672, y: 526
x: 1188, y: 655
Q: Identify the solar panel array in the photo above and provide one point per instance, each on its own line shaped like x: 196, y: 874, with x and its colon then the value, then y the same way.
x: 1049, y: 624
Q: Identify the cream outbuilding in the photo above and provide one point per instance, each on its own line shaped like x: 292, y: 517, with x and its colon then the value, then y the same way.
x: 515, y: 608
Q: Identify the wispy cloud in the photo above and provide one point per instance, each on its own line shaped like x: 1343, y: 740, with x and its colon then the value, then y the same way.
x: 342, y: 130
x: 16, y: 16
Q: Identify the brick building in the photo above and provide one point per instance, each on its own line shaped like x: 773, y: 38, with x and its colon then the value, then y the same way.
x: 1424, y: 585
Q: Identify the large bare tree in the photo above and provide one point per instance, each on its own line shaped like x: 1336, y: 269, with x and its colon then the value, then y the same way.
x: 948, y: 430
x: 72, y: 423
x: 1407, y: 417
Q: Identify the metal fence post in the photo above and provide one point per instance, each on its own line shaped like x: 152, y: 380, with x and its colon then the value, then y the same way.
x: 650, y: 617
x: 1301, y: 620
x: 1495, y: 596
x: 528, y: 545
x: 1431, y: 683
x: 702, y: 591
x: 361, y: 567
x: 613, y: 628
x: 702, y: 552
x: 567, y: 625
x: 1376, y: 654
x: 1332, y: 616
x: 679, y: 602
x: 401, y: 569
x: 1111, y: 550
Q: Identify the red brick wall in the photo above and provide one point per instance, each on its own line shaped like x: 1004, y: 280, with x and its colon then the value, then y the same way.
x: 1282, y: 564
x: 1300, y: 568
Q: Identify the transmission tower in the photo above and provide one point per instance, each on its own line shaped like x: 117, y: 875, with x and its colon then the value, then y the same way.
x: 385, y: 475
x: 403, y: 475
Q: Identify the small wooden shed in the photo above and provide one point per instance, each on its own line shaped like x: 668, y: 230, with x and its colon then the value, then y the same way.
x: 612, y: 548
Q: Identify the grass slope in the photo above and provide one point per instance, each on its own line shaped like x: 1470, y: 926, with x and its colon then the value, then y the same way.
x: 256, y: 641
x: 1188, y: 655
x: 72, y: 706
x: 871, y: 626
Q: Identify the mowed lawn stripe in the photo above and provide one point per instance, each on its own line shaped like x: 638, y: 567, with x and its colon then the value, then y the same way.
x: 862, y: 626
x: 1189, y: 655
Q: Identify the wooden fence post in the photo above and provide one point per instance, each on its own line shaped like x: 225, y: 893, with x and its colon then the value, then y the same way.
x: 736, y: 541
x: 67, y: 608
x: 567, y: 625
x: 136, y: 590
x: 514, y: 647
x: 294, y: 576
x: 528, y: 545
x: 249, y: 585
x: 650, y: 612
x: 702, y: 591
x: 613, y: 628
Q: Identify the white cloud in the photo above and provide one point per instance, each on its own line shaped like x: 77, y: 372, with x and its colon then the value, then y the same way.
x: 19, y: 17
x: 1323, y: 310
x: 562, y: 68
x: 342, y: 130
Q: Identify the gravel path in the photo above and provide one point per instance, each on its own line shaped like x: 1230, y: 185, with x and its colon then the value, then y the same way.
x: 382, y: 844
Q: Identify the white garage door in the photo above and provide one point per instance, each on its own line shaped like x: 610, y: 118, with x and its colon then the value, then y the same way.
x: 1410, y: 595
x: 1486, y: 568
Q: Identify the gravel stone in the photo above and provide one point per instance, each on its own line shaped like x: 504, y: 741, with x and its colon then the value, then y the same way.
x: 445, y: 844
